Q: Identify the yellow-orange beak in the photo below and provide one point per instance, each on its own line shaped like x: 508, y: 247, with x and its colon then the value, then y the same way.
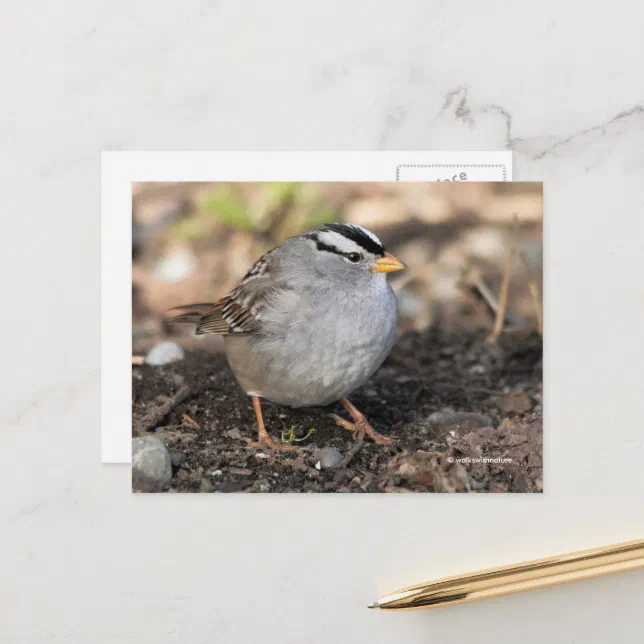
x: 388, y: 264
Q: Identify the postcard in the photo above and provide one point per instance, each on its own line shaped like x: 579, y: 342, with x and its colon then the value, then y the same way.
x: 327, y: 336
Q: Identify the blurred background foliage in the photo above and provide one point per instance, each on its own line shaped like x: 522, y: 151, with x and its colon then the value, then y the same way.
x: 193, y: 242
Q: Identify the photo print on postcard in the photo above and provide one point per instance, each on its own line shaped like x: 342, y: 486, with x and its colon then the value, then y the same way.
x: 337, y: 337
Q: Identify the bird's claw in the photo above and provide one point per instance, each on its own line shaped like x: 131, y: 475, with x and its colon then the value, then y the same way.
x: 360, y: 428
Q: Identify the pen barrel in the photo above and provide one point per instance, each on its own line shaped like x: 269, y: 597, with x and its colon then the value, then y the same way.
x: 530, y: 575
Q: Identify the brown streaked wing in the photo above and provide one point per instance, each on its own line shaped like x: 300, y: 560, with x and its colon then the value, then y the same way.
x: 233, y: 313
x: 227, y: 317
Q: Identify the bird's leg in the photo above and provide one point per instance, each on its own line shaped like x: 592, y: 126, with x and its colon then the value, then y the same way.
x: 359, y: 426
x: 263, y: 439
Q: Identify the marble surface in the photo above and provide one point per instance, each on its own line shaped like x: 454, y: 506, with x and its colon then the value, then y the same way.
x: 559, y: 84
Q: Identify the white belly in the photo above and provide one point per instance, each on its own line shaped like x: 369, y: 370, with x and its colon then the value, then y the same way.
x: 310, y: 361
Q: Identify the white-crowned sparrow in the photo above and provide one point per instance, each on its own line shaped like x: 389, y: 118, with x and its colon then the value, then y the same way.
x: 309, y: 323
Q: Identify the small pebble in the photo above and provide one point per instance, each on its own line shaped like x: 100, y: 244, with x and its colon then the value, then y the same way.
x: 178, y: 264
x: 261, y: 485
x: 164, y: 353
x: 401, y: 380
x: 151, y: 466
x: 233, y: 433
x: 328, y: 458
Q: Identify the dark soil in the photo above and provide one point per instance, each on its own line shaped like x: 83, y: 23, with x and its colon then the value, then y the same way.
x: 449, y: 400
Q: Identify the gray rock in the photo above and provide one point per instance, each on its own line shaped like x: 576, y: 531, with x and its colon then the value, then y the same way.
x: 328, y: 458
x: 151, y: 467
x: 164, y: 353
x: 441, y: 416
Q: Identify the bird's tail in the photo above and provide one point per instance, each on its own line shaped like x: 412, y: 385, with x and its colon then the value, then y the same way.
x: 188, y: 314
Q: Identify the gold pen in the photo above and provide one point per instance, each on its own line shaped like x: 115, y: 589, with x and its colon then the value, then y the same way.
x: 516, y: 578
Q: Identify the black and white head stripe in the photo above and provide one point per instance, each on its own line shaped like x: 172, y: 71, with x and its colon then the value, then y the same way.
x: 347, y: 238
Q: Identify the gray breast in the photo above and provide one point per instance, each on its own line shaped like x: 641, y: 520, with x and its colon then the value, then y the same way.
x: 315, y: 347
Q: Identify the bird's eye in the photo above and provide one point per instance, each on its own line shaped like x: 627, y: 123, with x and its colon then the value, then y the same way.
x: 354, y: 257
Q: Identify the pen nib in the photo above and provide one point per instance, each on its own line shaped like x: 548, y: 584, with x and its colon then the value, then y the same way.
x: 374, y: 605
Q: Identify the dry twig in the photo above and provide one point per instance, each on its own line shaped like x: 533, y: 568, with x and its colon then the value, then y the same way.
x: 473, y: 283
x: 156, y: 415
x: 536, y: 299
x: 535, y: 293
x: 503, y: 297
x: 349, y: 456
x: 191, y: 421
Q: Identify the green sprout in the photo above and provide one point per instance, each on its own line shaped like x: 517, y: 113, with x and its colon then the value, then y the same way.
x: 288, y: 435
x: 230, y: 209
x: 283, y: 192
x: 188, y: 229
